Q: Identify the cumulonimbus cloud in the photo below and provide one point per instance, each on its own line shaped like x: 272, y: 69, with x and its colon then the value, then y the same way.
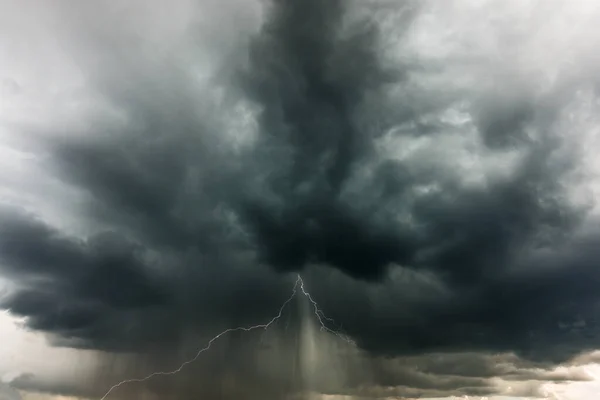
x: 431, y: 182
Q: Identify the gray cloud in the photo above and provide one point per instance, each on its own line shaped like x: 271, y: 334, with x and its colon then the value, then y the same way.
x: 8, y: 393
x: 428, y: 201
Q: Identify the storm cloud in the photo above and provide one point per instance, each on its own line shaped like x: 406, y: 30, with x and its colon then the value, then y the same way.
x: 426, y: 168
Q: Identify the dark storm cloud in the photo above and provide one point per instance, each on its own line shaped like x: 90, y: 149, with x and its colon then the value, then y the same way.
x: 350, y: 167
x: 313, y: 83
x: 311, y: 77
x: 544, y: 308
x: 67, y: 285
x: 93, y: 268
x: 111, y: 293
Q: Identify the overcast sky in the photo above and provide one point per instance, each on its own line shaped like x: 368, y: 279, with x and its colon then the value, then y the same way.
x: 427, y: 167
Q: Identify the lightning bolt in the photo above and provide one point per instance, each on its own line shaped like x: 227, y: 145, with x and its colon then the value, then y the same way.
x: 299, y: 284
x: 320, y: 315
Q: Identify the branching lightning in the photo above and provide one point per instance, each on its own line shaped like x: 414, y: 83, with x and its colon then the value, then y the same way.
x: 320, y: 315
x: 299, y: 284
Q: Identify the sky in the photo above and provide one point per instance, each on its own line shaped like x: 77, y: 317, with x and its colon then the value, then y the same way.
x: 427, y: 168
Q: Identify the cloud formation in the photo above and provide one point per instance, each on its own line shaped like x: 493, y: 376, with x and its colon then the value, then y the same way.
x: 426, y: 171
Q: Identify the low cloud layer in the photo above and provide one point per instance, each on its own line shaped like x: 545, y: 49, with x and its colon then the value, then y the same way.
x: 426, y: 167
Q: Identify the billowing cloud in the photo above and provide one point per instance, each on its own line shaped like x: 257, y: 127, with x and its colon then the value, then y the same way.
x: 426, y: 168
